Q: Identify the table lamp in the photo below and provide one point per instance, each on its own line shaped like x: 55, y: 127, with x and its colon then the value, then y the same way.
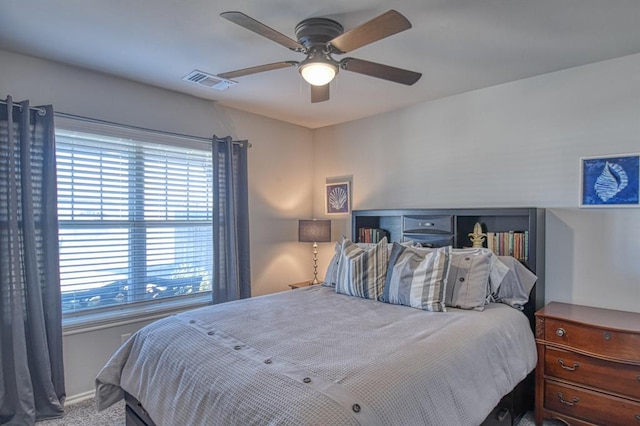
x: 314, y: 231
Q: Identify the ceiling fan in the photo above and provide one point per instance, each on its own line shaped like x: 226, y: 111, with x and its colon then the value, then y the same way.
x: 319, y: 39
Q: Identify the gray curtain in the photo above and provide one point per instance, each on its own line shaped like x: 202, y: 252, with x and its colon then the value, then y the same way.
x: 32, y: 376
x: 231, y: 221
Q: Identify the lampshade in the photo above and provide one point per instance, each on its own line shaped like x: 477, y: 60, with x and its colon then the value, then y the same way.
x: 318, y: 73
x: 314, y: 231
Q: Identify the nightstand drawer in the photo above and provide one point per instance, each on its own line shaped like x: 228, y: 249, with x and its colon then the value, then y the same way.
x: 427, y: 224
x: 594, y: 407
x: 622, y: 379
x: 599, y: 341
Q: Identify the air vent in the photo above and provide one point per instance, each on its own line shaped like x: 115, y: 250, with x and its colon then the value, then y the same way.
x: 208, y: 80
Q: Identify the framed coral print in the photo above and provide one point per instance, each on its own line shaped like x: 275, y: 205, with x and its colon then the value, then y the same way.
x: 338, y: 198
x: 610, y: 181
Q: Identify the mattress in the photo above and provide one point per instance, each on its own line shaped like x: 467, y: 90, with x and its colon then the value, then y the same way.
x: 313, y: 357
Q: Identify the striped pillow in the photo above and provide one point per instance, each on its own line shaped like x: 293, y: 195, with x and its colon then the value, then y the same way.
x: 362, y: 272
x: 417, y: 277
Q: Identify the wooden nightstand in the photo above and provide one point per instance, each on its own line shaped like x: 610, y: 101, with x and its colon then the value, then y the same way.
x: 588, y: 370
x: 300, y: 284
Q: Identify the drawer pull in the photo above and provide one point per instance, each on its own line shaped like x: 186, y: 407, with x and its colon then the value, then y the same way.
x: 560, y: 332
x: 571, y: 403
x: 566, y: 367
x: 426, y: 224
x: 638, y: 417
x: 606, y: 335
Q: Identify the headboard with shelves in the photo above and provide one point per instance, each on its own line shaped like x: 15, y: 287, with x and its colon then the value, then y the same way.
x: 439, y: 227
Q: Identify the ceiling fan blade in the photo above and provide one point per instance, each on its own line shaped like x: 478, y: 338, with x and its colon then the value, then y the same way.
x: 260, y: 68
x: 319, y: 93
x: 385, y: 72
x: 261, y: 29
x: 389, y: 23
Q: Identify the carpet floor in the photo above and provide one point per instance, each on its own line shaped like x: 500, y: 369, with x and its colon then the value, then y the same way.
x: 84, y: 414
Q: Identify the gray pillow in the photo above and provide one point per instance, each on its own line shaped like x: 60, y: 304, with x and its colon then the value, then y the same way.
x: 362, y: 272
x: 516, y: 285
x: 417, y: 277
x: 497, y: 273
x: 331, y: 276
x: 469, y: 284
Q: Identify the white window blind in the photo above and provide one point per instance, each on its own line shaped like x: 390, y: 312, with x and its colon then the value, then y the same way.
x: 135, y: 220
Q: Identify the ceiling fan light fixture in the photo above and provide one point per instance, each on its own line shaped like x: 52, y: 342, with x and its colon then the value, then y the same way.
x: 319, y: 38
x: 318, y: 73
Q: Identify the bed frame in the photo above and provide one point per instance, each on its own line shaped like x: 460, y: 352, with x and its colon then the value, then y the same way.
x: 135, y: 413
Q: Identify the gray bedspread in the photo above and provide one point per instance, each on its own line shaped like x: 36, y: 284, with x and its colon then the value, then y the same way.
x: 314, y: 357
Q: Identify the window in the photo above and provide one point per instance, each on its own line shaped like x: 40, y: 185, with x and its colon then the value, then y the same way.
x: 135, y: 218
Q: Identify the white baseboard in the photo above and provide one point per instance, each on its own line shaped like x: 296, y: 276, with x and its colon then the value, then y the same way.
x: 77, y: 398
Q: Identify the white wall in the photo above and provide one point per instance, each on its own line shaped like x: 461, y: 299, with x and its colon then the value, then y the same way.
x: 514, y: 145
x: 280, y: 178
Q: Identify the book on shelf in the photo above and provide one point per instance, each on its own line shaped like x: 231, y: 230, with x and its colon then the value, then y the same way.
x: 371, y: 235
x: 509, y: 243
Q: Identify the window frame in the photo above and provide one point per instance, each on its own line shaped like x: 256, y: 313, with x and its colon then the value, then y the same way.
x: 140, y: 310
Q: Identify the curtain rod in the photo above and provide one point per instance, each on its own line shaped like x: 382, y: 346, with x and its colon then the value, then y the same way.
x: 127, y: 126
x: 40, y: 110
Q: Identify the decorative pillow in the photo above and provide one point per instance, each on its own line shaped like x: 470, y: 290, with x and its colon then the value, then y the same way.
x: 496, y: 274
x: 362, y: 272
x: 409, y: 243
x: 331, y: 276
x: 517, y: 284
x: 468, y: 280
x: 470, y: 276
x: 417, y: 277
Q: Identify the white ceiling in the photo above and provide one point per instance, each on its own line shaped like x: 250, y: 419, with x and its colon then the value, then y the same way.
x: 458, y: 46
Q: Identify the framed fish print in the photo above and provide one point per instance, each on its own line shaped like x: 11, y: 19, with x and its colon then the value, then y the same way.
x: 338, y: 198
x: 610, y: 181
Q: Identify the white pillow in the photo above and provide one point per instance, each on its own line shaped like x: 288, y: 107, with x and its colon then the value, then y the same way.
x: 468, y: 279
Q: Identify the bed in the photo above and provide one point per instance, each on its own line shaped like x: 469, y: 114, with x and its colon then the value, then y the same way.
x: 314, y: 356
